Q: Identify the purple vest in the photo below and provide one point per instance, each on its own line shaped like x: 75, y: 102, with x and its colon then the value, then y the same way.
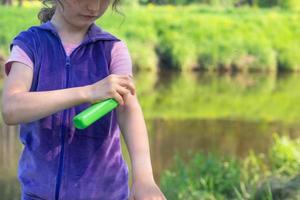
x: 60, y: 162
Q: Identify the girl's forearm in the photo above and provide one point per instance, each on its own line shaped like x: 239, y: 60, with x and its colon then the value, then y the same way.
x: 133, y: 127
x: 25, y: 107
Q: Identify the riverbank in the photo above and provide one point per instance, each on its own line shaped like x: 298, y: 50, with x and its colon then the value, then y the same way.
x: 271, y: 175
x: 201, y: 38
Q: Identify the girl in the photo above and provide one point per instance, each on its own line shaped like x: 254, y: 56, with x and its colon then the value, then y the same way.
x: 55, y: 71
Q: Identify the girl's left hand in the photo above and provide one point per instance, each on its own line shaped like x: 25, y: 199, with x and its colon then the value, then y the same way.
x: 145, y: 190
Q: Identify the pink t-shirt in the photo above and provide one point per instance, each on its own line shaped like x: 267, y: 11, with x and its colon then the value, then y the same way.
x: 120, y: 58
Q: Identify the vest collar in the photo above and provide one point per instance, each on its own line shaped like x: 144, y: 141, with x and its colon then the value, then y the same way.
x: 94, y: 32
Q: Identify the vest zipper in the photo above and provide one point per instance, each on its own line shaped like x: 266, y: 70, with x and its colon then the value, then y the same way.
x: 62, y: 138
x: 62, y: 134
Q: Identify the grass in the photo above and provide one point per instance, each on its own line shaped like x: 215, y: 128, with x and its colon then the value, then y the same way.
x: 201, y: 38
x: 210, y: 177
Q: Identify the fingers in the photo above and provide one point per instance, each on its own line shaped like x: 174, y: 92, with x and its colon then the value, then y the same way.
x: 128, y: 84
x: 124, y: 80
x: 118, y: 98
x: 123, y: 84
x: 123, y: 91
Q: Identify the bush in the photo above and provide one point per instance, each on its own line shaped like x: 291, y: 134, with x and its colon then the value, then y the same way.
x: 285, y: 156
x: 203, y: 37
x: 286, y: 4
x: 204, y: 175
x: 210, y: 177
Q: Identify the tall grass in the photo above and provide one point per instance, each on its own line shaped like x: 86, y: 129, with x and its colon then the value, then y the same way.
x: 192, y: 37
x: 210, y: 177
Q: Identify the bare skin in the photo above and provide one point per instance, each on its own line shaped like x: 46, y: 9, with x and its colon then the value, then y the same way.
x: 21, y: 106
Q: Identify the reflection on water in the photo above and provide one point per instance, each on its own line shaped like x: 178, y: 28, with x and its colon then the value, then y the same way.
x: 163, y: 93
x: 235, y: 96
x: 10, y: 149
x: 223, y: 137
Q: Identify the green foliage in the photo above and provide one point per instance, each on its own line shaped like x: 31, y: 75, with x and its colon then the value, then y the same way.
x: 267, y: 3
x: 174, y: 2
x: 289, y: 4
x: 129, y: 2
x: 285, y: 4
x: 285, y: 156
x: 216, y: 179
x: 210, y: 177
x: 201, y: 38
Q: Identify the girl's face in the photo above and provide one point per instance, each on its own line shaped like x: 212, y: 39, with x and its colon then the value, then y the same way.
x: 82, y: 13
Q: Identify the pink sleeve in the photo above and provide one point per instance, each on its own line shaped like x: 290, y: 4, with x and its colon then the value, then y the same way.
x: 17, y: 55
x: 120, y: 59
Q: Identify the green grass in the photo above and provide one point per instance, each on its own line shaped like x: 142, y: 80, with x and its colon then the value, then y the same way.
x: 211, y: 177
x: 201, y: 37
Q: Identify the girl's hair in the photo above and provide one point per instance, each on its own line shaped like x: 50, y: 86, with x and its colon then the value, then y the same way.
x: 48, y: 10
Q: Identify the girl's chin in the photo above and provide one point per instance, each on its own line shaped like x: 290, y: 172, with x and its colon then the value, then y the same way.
x: 87, y: 18
x: 82, y: 24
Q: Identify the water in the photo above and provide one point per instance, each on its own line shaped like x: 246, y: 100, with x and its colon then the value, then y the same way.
x: 217, y: 128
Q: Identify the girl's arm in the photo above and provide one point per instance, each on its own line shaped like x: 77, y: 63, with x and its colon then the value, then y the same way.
x: 132, y: 125
x: 19, y: 105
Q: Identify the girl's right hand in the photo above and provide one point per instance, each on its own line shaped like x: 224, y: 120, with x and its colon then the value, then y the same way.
x: 113, y: 86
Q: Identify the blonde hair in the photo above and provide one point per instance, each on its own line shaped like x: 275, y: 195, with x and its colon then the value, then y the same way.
x: 47, y: 12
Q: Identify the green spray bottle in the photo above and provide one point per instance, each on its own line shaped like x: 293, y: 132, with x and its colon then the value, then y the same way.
x: 94, y: 112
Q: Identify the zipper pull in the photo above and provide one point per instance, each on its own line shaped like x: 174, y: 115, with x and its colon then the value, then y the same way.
x: 68, y: 61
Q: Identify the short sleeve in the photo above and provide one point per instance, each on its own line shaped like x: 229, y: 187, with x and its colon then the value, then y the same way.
x: 120, y: 59
x: 27, y: 41
x: 17, y: 55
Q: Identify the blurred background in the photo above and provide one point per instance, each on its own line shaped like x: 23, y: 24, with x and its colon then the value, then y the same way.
x: 218, y: 84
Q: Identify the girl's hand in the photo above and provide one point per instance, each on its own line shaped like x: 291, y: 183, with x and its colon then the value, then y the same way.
x: 145, y: 190
x: 113, y: 86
